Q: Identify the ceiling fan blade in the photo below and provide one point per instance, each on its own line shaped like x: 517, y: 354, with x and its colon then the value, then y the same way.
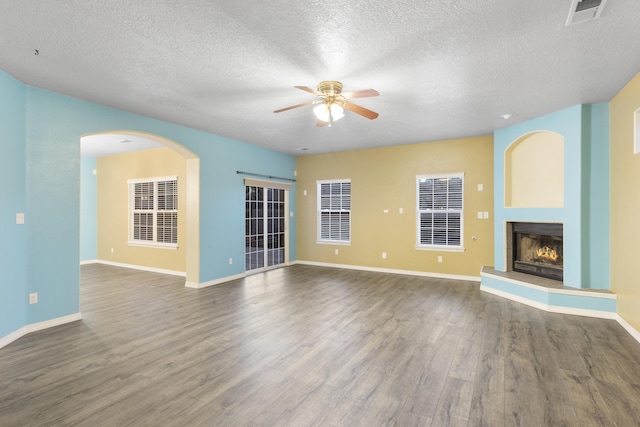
x: 321, y: 123
x: 360, y: 110
x: 365, y: 93
x: 295, y: 106
x: 308, y: 89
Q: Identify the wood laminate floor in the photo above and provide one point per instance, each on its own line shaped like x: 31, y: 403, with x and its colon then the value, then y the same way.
x: 312, y: 346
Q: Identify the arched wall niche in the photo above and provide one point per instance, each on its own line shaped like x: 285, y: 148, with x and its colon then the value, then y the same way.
x: 534, y: 171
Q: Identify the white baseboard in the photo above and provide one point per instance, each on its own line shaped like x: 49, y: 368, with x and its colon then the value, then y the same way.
x: 142, y: 267
x: 550, y: 308
x: 38, y: 327
x: 392, y: 271
x: 632, y: 331
x: 89, y: 261
x: 220, y: 281
x: 8, y: 339
x: 567, y: 310
x: 561, y: 291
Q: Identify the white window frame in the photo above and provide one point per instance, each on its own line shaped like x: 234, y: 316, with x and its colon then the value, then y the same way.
x: 447, y: 210
x: 154, y: 243
x: 340, y: 210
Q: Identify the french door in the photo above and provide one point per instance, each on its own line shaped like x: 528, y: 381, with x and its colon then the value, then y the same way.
x: 265, y: 227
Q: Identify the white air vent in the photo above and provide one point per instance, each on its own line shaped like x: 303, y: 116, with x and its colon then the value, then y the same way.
x: 584, y: 10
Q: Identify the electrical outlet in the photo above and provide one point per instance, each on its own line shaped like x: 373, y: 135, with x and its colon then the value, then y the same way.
x: 336, y: 252
x: 19, y: 218
x: 384, y: 255
x: 111, y: 250
x: 439, y: 259
x: 230, y: 261
x: 400, y: 210
x: 33, y: 298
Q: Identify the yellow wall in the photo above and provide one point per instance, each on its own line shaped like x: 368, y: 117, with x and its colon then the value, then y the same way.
x: 534, y: 171
x: 385, y: 179
x: 625, y: 204
x: 113, y: 173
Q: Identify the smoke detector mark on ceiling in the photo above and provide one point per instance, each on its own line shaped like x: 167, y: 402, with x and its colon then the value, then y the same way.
x: 584, y: 10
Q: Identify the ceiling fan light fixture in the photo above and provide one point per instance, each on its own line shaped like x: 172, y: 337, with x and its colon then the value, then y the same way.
x: 332, y: 103
x: 321, y: 111
x: 337, y: 112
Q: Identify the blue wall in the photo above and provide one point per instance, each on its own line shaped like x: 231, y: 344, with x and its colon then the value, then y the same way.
x: 596, y: 210
x: 13, y: 295
x: 88, y: 210
x: 585, y: 129
x: 42, y: 134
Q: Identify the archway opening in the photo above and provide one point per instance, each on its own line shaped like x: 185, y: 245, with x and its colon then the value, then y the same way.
x: 140, y: 155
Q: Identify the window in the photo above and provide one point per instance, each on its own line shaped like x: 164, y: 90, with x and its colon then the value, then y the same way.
x: 153, y: 212
x: 439, y: 217
x: 334, y: 211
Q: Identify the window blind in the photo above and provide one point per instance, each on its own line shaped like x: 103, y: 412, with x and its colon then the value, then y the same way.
x: 440, y: 208
x: 334, y: 210
x: 153, y: 211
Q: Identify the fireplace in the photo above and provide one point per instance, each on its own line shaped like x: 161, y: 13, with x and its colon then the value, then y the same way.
x: 536, y: 248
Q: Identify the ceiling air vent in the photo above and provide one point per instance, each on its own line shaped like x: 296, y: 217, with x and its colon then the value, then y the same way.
x: 584, y: 10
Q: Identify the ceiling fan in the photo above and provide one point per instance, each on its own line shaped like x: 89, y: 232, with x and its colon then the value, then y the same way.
x: 333, y: 102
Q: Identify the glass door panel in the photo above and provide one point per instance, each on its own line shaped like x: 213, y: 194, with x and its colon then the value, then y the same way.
x: 275, y: 226
x: 265, y: 231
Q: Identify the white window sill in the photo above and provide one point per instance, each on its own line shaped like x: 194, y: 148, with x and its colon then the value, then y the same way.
x: 440, y: 248
x: 169, y: 246
x: 333, y: 242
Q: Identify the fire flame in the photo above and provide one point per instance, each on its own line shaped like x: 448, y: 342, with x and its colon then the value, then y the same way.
x: 547, y: 253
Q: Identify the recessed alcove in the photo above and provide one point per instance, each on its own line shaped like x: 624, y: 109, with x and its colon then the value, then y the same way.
x: 534, y: 171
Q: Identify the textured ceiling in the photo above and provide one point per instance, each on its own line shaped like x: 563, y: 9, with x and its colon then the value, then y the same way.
x: 444, y: 69
x: 107, y: 144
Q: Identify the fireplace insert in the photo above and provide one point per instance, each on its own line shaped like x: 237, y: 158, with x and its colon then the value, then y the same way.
x: 537, y: 249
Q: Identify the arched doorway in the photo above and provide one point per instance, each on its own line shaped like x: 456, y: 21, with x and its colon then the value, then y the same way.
x: 119, y: 142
